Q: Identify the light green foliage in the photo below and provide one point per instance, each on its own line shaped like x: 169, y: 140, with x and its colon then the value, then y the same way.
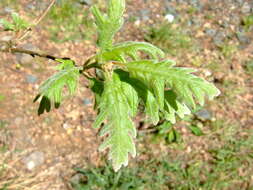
x: 146, y: 85
x: 16, y: 24
x: 173, y: 107
x: 51, y: 89
x: 186, y: 85
x: 118, y: 103
x: 108, y: 24
x: 120, y: 52
x: 125, y: 81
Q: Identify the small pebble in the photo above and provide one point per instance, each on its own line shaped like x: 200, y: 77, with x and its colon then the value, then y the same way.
x: 34, y: 160
x: 204, y: 115
x: 87, y: 101
x: 170, y: 18
x: 31, y: 79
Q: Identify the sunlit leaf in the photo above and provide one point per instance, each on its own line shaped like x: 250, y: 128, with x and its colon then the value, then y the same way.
x: 51, y: 90
x: 118, y: 103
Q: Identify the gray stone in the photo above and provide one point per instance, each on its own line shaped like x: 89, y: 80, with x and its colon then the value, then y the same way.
x: 30, y: 6
x: 87, y: 101
x: 243, y: 39
x: 31, y: 79
x: 8, y: 10
x: 210, y: 32
x: 196, y: 21
x: 219, y: 38
x: 34, y: 160
x: 204, y: 115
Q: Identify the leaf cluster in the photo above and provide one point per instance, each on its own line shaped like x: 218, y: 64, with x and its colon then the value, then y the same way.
x: 126, y: 82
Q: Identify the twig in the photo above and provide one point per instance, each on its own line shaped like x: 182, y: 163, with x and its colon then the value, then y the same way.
x: 9, y: 49
x: 37, y: 21
x: 30, y: 52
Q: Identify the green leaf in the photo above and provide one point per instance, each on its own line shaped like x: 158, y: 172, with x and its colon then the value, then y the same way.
x: 173, y: 136
x: 119, y: 52
x: 17, y: 23
x: 186, y: 85
x: 195, y: 130
x: 108, y: 24
x: 7, y: 25
x: 151, y: 108
x: 147, y: 97
x: 132, y: 98
x: 118, y: 104
x: 173, y: 107
x: 165, y: 127
x: 51, y: 89
x: 100, y: 118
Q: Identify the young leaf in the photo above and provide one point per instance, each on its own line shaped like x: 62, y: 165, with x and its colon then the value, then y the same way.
x: 173, y: 107
x: 195, y: 130
x: 186, y: 85
x: 121, y: 50
x: 164, y: 128
x: 51, y: 89
x: 17, y: 23
x: 7, y: 25
x: 118, y: 104
x: 109, y: 24
x: 147, y: 97
x: 132, y: 98
x: 173, y: 136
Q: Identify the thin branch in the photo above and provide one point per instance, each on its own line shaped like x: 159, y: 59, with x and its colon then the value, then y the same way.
x: 37, y: 21
x: 30, y: 52
x: 8, y: 49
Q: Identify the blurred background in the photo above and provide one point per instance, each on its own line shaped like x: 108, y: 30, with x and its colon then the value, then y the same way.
x: 212, y: 149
